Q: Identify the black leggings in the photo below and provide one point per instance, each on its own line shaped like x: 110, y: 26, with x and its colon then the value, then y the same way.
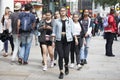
x: 75, y: 49
x: 63, y: 52
x: 109, y: 43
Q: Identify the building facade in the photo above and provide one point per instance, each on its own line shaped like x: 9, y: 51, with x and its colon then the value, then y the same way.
x: 84, y: 4
x: 52, y: 5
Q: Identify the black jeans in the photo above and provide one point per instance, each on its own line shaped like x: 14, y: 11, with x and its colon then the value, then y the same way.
x: 109, y: 42
x: 75, y: 49
x: 55, y: 53
x: 11, y: 42
x: 63, y: 49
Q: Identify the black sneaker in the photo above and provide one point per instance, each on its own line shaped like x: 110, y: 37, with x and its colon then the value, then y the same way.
x: 20, y: 61
x: 85, y: 61
x: 110, y: 55
x: 25, y: 63
x: 61, y: 75
x: 66, y: 70
x: 82, y: 62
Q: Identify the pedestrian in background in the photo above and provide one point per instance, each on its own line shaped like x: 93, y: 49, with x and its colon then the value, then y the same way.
x: 75, y: 47
x: 26, y: 24
x: 6, y: 23
x: 110, y: 30
x: 14, y: 20
x: 86, y: 23
x: 56, y: 16
x: 45, y: 40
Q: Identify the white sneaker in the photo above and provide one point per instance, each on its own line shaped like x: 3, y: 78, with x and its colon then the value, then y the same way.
x: 79, y: 67
x: 72, y: 65
x: 44, y: 67
x: 52, y: 64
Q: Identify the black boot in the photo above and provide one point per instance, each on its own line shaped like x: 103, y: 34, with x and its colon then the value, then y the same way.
x: 66, y: 70
x: 61, y: 75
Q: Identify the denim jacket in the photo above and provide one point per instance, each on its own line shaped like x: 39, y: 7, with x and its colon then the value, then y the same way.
x: 57, y: 29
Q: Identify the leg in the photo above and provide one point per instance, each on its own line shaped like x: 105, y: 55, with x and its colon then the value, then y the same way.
x: 50, y: 51
x: 27, y: 47
x: 72, y: 50
x: 11, y: 43
x: 16, y: 46
x: 6, y: 48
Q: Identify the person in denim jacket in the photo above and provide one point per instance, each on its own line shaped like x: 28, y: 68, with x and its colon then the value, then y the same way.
x: 63, y: 31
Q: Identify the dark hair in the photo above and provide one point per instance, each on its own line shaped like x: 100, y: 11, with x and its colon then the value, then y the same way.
x: 82, y: 15
x: 112, y: 10
x: 7, y: 8
x: 62, y: 8
x: 76, y: 14
x: 28, y: 7
x: 49, y: 11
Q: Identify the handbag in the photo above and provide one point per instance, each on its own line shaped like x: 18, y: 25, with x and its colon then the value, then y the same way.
x: 4, y: 36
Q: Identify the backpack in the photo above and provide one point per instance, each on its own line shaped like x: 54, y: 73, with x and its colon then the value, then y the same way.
x: 105, y: 22
x: 26, y: 23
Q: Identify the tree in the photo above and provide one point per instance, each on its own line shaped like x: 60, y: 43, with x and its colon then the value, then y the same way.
x: 107, y: 2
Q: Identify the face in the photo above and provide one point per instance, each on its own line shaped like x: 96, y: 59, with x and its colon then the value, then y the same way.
x: 86, y: 12
x: 48, y: 16
x: 75, y: 18
x: 57, y: 15
x: 7, y: 11
x: 63, y: 12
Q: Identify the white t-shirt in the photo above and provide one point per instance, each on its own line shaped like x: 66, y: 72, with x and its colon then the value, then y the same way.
x: 6, y: 22
x: 77, y: 28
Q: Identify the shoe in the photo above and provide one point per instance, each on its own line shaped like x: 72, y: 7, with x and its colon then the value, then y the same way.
x: 85, y: 61
x: 66, y: 70
x: 110, y: 55
x: 82, y: 62
x: 55, y: 63
x: 51, y: 64
x: 25, y: 63
x: 79, y: 67
x: 61, y: 75
x: 20, y: 61
x: 72, y: 65
x: 5, y: 55
x: 11, y: 53
x: 44, y: 67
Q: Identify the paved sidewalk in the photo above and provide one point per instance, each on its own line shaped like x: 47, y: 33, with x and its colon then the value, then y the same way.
x: 99, y: 66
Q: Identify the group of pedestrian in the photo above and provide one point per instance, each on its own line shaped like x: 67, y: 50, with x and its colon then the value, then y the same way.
x: 58, y: 36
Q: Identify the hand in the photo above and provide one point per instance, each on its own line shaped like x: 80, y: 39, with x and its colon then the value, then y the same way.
x: 84, y: 42
x: 86, y: 35
x: 76, y: 42
x: 18, y: 35
x: 44, y: 27
x: 53, y: 44
x: 48, y: 27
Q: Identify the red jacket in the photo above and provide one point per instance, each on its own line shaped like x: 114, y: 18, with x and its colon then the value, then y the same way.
x: 112, y: 24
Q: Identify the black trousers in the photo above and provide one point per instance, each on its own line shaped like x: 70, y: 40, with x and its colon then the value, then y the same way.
x: 75, y: 49
x: 63, y: 49
x: 109, y: 42
x: 55, y: 54
x: 11, y: 42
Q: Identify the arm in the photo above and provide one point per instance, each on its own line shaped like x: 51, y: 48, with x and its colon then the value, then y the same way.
x: 18, y: 26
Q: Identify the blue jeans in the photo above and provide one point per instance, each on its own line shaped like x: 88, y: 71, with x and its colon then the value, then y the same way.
x: 26, y: 39
x: 84, y: 49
